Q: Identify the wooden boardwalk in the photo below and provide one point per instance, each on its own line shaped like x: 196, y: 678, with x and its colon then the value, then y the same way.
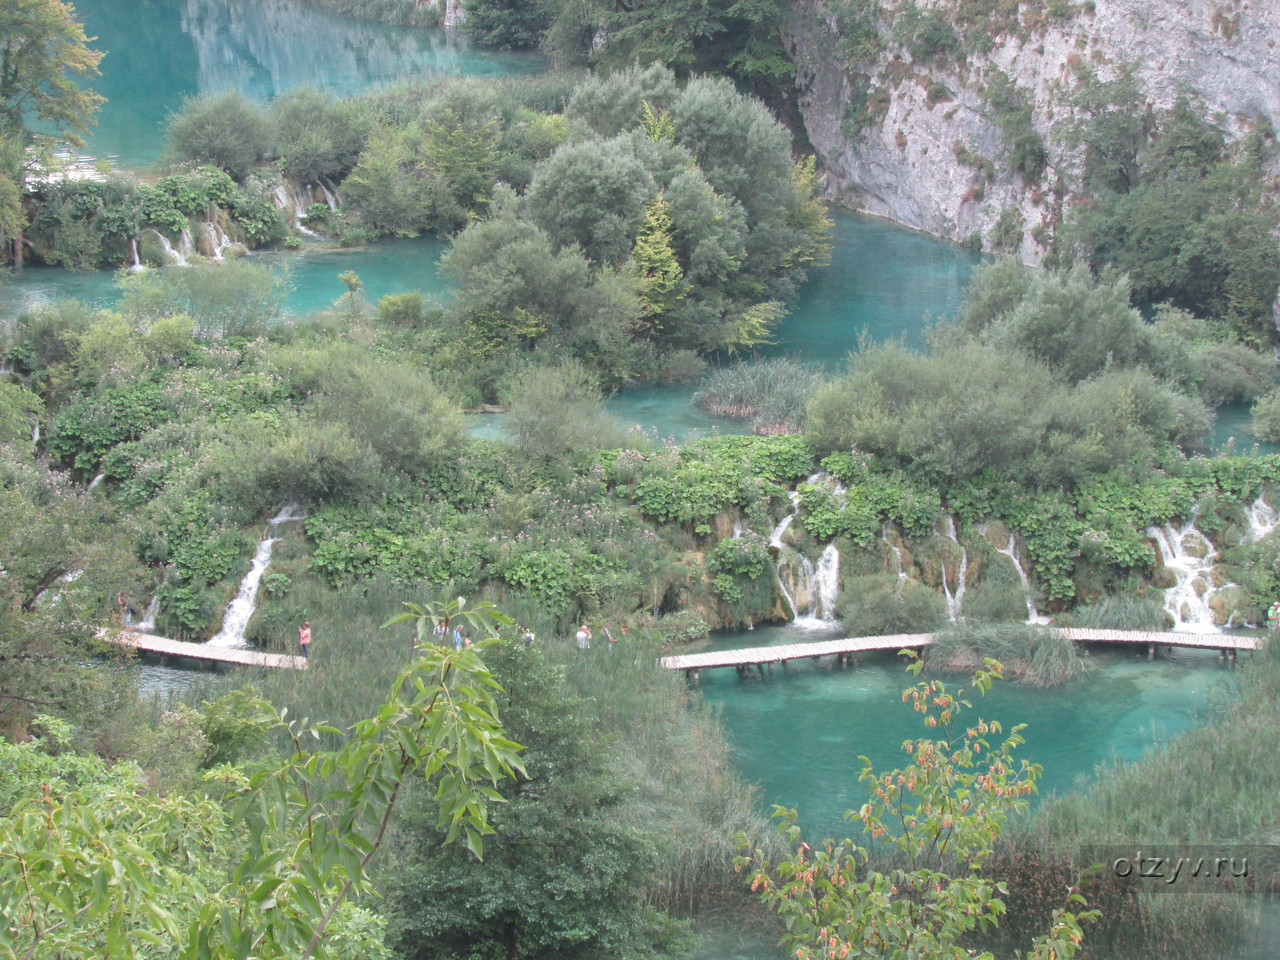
x: 202, y: 651
x: 846, y: 647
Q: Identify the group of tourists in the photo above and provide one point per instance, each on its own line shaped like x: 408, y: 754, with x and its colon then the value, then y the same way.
x: 583, y: 636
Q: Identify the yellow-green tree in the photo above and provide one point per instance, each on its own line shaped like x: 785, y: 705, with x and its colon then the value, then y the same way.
x: 661, y: 277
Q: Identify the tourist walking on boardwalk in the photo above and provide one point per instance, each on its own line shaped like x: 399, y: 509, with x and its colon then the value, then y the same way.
x: 584, y: 638
x: 438, y: 632
x: 304, y: 638
x: 1273, y: 615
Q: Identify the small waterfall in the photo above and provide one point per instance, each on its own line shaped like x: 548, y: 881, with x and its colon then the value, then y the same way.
x: 330, y: 193
x: 289, y: 200
x: 1010, y: 550
x: 240, y: 609
x: 1262, y: 519
x: 828, y: 584
x: 133, y: 251
x: 214, y: 240
x: 148, y: 621
x: 176, y: 256
x: 35, y: 431
x: 775, y: 540
x: 955, y: 600
x: 898, y: 565
x: 96, y: 480
x: 1188, y: 555
x: 186, y: 245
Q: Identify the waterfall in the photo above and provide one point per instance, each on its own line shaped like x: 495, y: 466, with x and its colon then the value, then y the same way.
x: 898, y: 566
x: 955, y: 601
x: 133, y: 250
x: 1188, y: 555
x: 775, y: 540
x: 240, y: 609
x: 1010, y: 550
x: 96, y: 480
x: 35, y: 431
x: 330, y: 193
x: 175, y: 256
x: 815, y: 589
x: 186, y: 246
x: 215, y: 239
x: 1262, y: 519
x: 148, y: 621
x: 828, y: 583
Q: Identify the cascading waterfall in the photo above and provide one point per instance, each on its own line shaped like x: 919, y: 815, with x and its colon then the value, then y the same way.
x: 1010, y: 550
x: 330, y: 193
x: 955, y: 601
x: 215, y: 239
x: 1188, y: 555
x: 96, y: 480
x: 898, y: 566
x: 148, y: 621
x: 240, y: 609
x: 35, y: 431
x: 775, y: 540
x: 176, y: 255
x: 1262, y: 519
x: 827, y: 587
x: 793, y: 560
x: 288, y: 200
x: 133, y: 251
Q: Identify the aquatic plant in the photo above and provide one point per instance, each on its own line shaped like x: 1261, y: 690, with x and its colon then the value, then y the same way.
x: 772, y: 394
x: 1033, y: 654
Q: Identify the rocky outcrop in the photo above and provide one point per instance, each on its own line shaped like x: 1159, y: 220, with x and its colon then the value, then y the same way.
x: 930, y: 157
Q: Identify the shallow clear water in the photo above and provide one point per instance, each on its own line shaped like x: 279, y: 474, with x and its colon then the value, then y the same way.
x: 799, y: 732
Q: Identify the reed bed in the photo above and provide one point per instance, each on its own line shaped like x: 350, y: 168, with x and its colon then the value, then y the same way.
x: 1032, y: 654
x: 772, y: 394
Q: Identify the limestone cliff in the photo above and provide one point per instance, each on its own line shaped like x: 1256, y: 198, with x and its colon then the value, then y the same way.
x: 928, y: 155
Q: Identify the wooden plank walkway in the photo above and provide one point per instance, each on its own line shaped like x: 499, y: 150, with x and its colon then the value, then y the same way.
x: 202, y: 651
x: 893, y: 642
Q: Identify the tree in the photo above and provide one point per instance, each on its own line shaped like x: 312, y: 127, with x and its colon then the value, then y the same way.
x: 42, y: 55
x: 566, y: 872
x: 268, y: 868
x: 939, y: 819
x: 226, y: 129
x: 43, y: 51
x: 660, y: 271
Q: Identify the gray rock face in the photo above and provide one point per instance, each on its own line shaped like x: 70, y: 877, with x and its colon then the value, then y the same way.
x: 907, y: 166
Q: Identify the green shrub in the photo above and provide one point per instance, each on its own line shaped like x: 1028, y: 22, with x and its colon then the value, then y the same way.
x: 225, y: 129
x: 1266, y: 417
x: 877, y: 604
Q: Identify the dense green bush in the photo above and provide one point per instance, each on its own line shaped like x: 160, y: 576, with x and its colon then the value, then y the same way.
x: 877, y: 604
x: 225, y: 129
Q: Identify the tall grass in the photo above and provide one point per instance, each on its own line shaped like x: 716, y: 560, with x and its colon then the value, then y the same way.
x: 1032, y: 654
x: 1217, y: 784
x: 1121, y: 612
x: 772, y: 394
